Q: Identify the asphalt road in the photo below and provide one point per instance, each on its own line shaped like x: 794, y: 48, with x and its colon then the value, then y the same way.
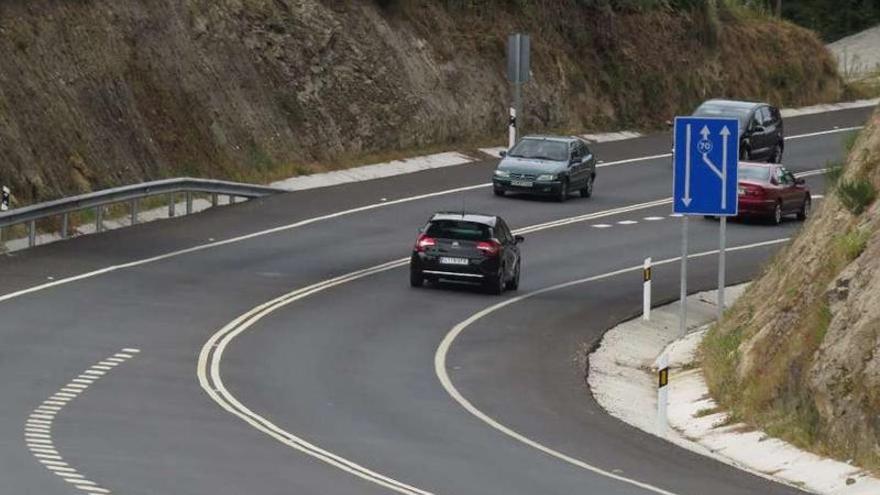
x: 350, y: 369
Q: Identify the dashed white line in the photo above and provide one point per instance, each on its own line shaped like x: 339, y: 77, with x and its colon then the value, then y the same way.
x: 600, y: 225
x: 654, y: 219
x: 38, y: 426
x: 627, y: 222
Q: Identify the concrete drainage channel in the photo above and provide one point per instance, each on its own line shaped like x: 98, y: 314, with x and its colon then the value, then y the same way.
x: 623, y: 378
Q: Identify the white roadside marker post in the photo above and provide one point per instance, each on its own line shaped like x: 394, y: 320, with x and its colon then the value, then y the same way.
x: 646, y: 290
x: 511, y: 129
x: 662, y: 393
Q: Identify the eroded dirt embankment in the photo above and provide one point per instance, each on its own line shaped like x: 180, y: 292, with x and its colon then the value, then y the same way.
x: 105, y: 92
x: 799, y: 353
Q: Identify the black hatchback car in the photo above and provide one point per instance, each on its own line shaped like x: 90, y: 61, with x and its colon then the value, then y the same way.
x: 761, y: 135
x: 467, y: 247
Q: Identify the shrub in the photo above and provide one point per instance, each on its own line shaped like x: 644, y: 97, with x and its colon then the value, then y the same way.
x: 856, y: 195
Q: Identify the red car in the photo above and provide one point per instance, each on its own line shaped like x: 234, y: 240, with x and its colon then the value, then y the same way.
x: 768, y: 190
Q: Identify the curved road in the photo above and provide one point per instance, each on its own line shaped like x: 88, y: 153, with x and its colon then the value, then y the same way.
x: 336, y: 391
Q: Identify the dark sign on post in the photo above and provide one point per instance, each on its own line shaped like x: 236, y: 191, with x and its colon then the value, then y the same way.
x: 518, y: 58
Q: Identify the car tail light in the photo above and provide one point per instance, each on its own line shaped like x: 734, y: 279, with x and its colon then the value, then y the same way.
x: 753, y: 191
x: 424, y: 242
x: 491, y: 248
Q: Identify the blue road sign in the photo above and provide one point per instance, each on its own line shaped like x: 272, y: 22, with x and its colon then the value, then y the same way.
x: 706, y: 157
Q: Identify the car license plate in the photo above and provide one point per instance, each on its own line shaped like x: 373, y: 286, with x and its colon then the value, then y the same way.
x: 522, y: 183
x: 445, y: 260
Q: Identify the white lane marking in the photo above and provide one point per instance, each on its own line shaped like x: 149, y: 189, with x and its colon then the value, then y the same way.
x: 39, y: 438
x: 87, y: 381
x: 101, y: 367
x: 93, y: 372
x: 440, y: 358
x: 309, y: 221
x: 109, y: 363
x: 627, y: 222
x: 123, y: 355
x: 131, y: 350
x: 600, y: 225
x: 210, y: 357
x: 654, y: 219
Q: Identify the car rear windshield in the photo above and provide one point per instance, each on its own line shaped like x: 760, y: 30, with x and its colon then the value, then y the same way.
x: 457, y: 229
x: 752, y: 172
x: 541, y: 149
x: 718, y: 110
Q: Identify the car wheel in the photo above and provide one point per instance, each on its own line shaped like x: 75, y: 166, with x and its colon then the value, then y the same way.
x: 776, y: 156
x: 513, y: 284
x: 563, y: 192
x: 498, y: 192
x: 776, y: 218
x: 744, y: 154
x: 495, y: 285
x: 416, y: 279
x: 587, y: 190
x: 804, y: 213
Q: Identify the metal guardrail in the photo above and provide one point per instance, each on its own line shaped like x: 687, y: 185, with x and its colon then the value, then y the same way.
x: 131, y: 194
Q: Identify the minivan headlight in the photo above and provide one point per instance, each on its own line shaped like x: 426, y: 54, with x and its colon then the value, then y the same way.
x: 502, y: 173
x: 546, y: 177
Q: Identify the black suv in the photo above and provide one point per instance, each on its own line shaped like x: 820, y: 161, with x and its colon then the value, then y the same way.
x: 467, y: 247
x: 761, y: 134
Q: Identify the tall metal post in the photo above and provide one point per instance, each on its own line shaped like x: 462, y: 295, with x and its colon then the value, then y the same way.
x: 189, y: 203
x: 134, y: 211
x: 32, y: 233
x: 99, y: 218
x: 171, y: 205
x: 214, y: 199
x: 517, y: 105
x: 65, y: 225
x: 684, y: 259
x: 722, y: 267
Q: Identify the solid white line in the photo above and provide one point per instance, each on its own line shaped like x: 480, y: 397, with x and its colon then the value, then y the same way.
x: 309, y: 221
x: 443, y: 350
x: 211, y: 355
x: 823, y: 133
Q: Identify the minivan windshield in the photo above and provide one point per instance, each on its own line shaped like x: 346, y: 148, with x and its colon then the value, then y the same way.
x: 541, y: 149
x: 753, y: 172
x: 457, y: 229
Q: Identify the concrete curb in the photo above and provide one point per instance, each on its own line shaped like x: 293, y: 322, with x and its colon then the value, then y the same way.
x: 622, y: 378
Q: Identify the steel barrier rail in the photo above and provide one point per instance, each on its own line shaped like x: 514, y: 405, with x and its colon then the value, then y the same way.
x: 131, y: 194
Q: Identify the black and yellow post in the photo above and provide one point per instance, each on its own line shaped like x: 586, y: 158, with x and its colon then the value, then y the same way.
x: 663, y: 377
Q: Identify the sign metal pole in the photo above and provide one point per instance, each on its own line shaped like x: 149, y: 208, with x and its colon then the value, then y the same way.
x: 682, y: 327
x: 722, y: 267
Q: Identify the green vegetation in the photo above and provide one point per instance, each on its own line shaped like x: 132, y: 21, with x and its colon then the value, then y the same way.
x: 833, y: 19
x: 856, y: 194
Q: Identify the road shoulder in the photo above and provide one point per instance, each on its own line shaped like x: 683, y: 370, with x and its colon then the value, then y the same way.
x: 621, y: 376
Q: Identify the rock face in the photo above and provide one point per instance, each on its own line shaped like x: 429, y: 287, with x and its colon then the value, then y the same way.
x: 799, y: 354
x: 103, y: 92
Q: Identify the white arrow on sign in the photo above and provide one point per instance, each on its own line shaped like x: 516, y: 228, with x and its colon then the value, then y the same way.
x: 722, y: 174
x: 687, y: 167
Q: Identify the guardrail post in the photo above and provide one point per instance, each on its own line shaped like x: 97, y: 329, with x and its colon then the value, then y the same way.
x: 171, y: 205
x: 134, y: 211
x: 65, y: 222
x: 99, y: 218
x: 214, y: 199
x: 32, y: 233
x: 189, y: 203
x: 231, y: 199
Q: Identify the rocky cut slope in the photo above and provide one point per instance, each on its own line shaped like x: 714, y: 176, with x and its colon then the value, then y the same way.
x: 799, y: 353
x: 102, y: 92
